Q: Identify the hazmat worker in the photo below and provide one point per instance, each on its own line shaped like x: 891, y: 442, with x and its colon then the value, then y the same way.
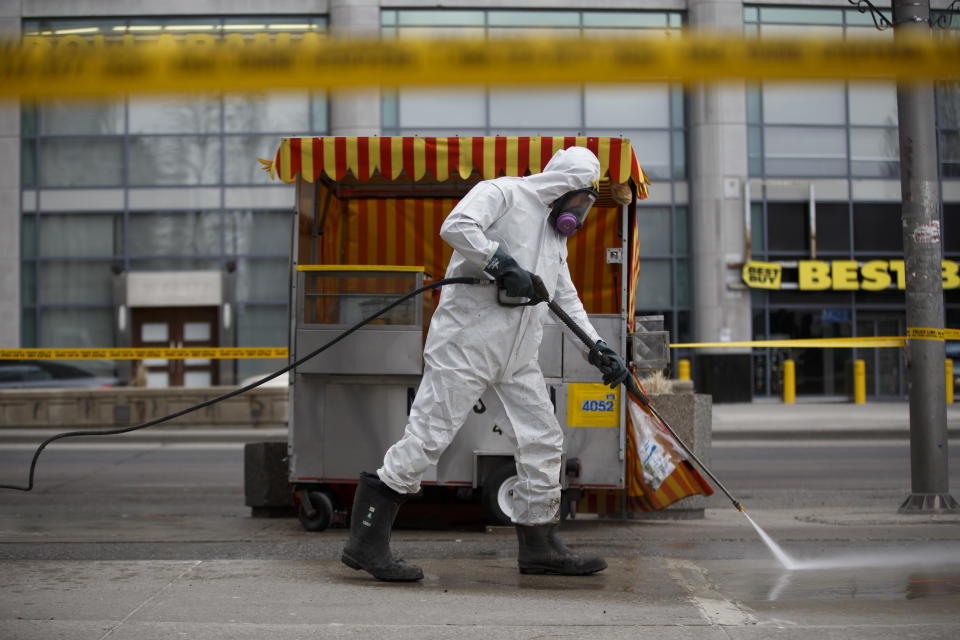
x: 509, y: 229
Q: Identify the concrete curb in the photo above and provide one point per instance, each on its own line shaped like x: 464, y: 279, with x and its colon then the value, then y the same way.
x: 147, y: 436
x: 198, y: 436
x: 821, y: 434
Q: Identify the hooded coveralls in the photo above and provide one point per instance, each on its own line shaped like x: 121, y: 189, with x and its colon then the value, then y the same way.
x: 474, y: 343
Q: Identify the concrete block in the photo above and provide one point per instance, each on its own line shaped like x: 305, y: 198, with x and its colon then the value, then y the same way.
x: 16, y: 410
x: 690, y: 417
x: 125, y: 406
x: 265, y: 484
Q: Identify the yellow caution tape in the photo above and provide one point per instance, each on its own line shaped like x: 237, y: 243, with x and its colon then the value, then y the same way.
x: 74, y: 66
x: 281, y: 352
x: 925, y: 333
x: 360, y: 267
x: 823, y: 343
x: 142, y: 353
x: 913, y: 333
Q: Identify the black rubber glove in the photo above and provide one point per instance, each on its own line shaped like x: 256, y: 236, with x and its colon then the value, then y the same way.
x: 610, y: 363
x: 517, y: 282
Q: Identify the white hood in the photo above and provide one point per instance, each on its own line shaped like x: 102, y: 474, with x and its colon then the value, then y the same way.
x: 568, y: 170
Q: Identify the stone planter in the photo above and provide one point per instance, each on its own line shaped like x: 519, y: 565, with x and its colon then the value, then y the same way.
x: 125, y: 406
x: 689, y: 415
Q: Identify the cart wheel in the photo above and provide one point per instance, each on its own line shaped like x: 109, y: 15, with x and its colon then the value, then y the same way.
x: 315, y: 510
x: 496, y: 495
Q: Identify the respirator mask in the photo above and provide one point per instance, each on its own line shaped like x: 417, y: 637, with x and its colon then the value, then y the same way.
x: 570, y: 210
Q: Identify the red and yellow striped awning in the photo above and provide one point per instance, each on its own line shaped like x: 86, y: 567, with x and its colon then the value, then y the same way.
x: 442, y: 158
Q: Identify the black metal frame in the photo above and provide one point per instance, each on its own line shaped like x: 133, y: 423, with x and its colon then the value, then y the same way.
x: 879, y: 20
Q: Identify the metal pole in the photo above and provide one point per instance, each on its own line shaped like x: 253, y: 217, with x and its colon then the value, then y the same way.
x: 922, y: 252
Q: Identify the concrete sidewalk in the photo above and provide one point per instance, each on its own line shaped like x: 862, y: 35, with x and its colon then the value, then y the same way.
x: 155, y: 543
x: 863, y: 574
x: 773, y: 419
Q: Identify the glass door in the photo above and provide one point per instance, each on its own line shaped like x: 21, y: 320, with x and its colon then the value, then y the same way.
x: 177, y: 327
x: 886, y: 375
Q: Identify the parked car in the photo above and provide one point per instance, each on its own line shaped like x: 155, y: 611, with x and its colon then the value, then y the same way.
x: 48, y: 374
x: 279, y: 381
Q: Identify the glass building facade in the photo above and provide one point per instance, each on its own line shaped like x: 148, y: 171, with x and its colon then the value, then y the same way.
x: 825, y: 169
x: 169, y: 183
x: 172, y: 183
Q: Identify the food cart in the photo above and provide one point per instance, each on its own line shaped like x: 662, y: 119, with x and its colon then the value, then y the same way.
x: 368, y: 214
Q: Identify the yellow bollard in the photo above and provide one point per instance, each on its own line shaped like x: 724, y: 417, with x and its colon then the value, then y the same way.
x: 859, y: 381
x: 683, y: 369
x: 789, y: 382
x: 949, y: 372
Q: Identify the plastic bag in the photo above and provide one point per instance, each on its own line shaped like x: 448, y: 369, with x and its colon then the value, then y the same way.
x: 656, y: 460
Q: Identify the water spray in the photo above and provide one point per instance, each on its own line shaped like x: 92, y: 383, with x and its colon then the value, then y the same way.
x: 634, y: 389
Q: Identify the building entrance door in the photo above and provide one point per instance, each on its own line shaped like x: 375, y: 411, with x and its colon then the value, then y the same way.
x: 886, y: 376
x: 177, y: 327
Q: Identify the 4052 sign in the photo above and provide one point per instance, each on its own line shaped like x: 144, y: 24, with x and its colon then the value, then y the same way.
x: 592, y: 405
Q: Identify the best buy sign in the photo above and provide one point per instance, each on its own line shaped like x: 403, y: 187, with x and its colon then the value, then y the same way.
x: 839, y: 275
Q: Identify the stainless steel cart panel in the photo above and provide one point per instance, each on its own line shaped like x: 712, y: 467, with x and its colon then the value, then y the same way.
x: 391, y: 344
x: 598, y: 449
x: 576, y: 367
x: 377, y: 351
x: 344, y: 424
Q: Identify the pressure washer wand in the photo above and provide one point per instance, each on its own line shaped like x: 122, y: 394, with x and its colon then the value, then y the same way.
x: 633, y: 388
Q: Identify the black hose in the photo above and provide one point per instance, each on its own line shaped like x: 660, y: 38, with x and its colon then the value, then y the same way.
x: 236, y: 392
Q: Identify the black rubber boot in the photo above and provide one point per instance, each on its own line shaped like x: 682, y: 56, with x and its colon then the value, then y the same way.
x: 541, y: 551
x: 375, y: 506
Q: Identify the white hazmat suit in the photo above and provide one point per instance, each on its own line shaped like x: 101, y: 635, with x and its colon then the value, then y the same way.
x: 474, y: 343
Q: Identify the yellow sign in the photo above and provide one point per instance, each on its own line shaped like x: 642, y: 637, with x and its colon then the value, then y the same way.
x: 873, y: 275
x: 762, y: 275
x: 841, y: 275
x: 592, y: 405
x: 77, y: 66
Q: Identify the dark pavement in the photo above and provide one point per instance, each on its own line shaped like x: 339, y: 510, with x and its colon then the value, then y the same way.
x: 148, y: 538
